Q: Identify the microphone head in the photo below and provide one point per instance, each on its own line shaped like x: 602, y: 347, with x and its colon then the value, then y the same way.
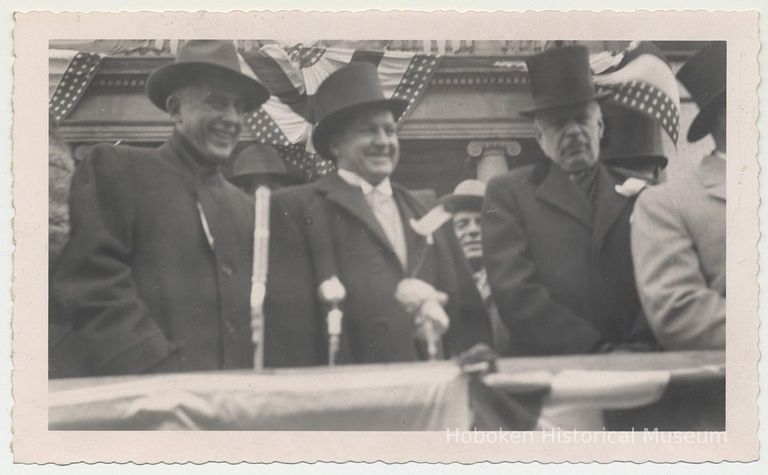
x: 332, y: 290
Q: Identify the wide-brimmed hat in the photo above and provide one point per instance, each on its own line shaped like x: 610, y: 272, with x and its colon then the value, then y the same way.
x: 199, y: 58
x: 351, y: 89
x: 633, y: 139
x: 704, y: 77
x: 560, y: 77
x: 258, y: 159
x: 467, y: 196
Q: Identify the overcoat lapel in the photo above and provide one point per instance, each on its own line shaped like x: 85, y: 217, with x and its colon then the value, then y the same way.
x: 609, y: 203
x: 410, y: 209
x: 351, y: 199
x: 558, y: 190
x: 712, y: 172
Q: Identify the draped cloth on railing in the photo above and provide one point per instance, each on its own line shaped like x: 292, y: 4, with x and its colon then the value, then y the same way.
x: 665, y: 391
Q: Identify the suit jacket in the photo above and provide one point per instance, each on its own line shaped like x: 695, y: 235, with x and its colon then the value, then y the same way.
x: 678, y: 243
x: 560, y: 271
x: 139, y: 281
x: 327, y: 228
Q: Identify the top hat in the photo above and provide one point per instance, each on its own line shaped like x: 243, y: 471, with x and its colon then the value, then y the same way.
x: 468, y: 196
x: 560, y: 77
x: 197, y: 58
x: 351, y: 89
x: 633, y: 139
x: 258, y: 159
x: 704, y: 77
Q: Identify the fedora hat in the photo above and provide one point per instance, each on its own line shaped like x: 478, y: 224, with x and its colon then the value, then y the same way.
x: 467, y: 196
x: 258, y: 159
x: 351, y: 89
x: 199, y: 58
x: 704, y: 77
x: 560, y: 77
x: 632, y: 138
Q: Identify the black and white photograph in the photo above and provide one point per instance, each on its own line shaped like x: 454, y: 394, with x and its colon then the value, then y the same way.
x: 456, y: 237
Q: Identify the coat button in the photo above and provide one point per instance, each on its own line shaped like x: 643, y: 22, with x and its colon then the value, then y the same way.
x: 228, y: 325
x: 226, y: 270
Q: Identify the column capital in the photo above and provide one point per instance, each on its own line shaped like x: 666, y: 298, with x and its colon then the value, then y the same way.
x: 480, y: 148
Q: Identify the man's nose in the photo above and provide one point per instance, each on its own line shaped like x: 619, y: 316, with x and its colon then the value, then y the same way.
x: 232, y: 114
x: 381, y: 137
x: 572, y: 128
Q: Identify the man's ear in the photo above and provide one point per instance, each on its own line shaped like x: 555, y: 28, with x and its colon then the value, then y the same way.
x: 173, y: 106
x: 600, y: 126
x: 537, y: 132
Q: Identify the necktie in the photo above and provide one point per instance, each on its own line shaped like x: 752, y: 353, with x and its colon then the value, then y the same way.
x: 386, y: 212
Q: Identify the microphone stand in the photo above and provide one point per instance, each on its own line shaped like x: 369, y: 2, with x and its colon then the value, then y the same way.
x: 259, y: 273
x: 332, y: 292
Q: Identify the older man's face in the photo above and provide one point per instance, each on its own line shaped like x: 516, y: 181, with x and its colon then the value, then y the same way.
x: 368, y: 145
x: 210, y: 115
x: 570, y: 136
x: 466, y: 225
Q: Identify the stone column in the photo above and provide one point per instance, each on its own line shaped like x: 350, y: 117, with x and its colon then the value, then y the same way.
x: 491, y: 156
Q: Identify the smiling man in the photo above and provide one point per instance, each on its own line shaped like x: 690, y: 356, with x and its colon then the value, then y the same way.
x: 156, y: 275
x: 556, y: 233
x: 355, y: 225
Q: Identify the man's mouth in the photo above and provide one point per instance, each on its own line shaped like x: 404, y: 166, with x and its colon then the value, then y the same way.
x: 224, y: 135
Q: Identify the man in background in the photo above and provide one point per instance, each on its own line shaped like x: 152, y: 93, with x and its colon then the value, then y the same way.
x: 465, y: 204
x: 259, y: 165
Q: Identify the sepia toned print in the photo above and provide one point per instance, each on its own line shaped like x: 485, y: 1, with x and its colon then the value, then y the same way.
x: 513, y: 245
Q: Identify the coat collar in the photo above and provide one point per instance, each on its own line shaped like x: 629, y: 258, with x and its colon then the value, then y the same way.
x: 609, y: 203
x: 182, y: 155
x: 557, y: 189
x: 351, y: 198
x: 712, y: 175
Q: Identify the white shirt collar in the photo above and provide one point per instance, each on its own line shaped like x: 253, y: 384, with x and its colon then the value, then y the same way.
x: 718, y: 154
x: 385, y: 187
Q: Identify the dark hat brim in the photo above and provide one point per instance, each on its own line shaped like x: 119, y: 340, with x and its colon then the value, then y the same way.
x: 701, y: 126
x: 167, y: 79
x: 544, y: 106
x: 322, y: 131
x: 462, y: 202
x: 629, y: 160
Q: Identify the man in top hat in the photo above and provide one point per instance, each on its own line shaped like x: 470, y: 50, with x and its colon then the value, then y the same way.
x: 556, y: 233
x: 357, y: 225
x: 635, y: 145
x: 465, y: 205
x: 259, y: 165
x: 156, y: 275
x: 678, y: 229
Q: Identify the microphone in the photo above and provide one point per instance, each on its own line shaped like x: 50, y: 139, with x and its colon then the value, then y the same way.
x: 332, y: 292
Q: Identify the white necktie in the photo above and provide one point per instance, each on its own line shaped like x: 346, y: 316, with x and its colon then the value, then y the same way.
x: 386, y: 212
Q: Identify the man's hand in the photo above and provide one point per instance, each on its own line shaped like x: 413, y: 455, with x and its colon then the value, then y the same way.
x: 425, y: 304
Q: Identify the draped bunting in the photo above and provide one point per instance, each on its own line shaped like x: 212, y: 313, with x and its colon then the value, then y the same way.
x: 641, y: 79
x: 293, y: 75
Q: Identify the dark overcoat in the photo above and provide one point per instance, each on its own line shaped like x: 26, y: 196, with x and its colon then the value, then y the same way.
x: 139, y: 282
x: 327, y: 228
x: 560, y: 269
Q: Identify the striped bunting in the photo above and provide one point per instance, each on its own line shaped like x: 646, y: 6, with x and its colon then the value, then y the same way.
x: 73, y: 84
x: 640, y: 78
x: 293, y: 75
